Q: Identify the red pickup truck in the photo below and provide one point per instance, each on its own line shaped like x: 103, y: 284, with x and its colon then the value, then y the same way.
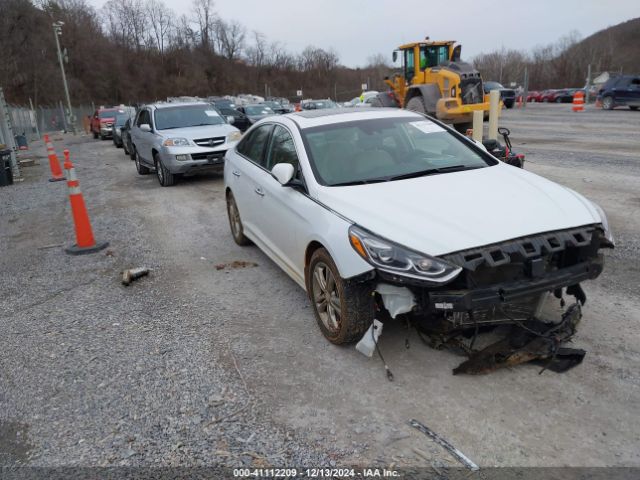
x: 102, y: 122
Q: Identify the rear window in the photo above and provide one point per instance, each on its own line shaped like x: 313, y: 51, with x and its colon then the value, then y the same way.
x: 107, y: 113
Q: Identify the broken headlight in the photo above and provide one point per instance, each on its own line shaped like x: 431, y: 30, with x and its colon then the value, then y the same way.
x: 605, y: 223
x: 393, y: 258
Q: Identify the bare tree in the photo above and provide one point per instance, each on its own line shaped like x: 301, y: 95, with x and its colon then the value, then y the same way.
x: 160, y: 20
x: 206, y: 19
x: 230, y: 38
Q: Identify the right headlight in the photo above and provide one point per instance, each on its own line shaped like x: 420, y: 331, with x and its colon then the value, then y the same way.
x: 393, y: 258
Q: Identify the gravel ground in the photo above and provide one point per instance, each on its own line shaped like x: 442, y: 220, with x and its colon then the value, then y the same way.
x: 195, y: 366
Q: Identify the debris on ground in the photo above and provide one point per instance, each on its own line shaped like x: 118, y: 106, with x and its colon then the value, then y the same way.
x: 461, y: 457
x: 528, y: 341
x: 132, y: 274
x: 235, y: 264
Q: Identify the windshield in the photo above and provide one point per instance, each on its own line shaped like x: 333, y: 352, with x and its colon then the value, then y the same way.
x: 386, y: 149
x: 186, y: 116
x: 258, y: 110
x: 107, y: 113
x: 492, y: 85
x: 121, y: 119
x: 322, y: 104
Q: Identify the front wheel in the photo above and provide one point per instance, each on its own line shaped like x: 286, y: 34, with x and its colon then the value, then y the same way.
x: 344, y: 311
x: 165, y: 177
x: 607, y: 103
x: 416, y: 104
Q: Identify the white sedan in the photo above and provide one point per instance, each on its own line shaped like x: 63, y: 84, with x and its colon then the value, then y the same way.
x: 386, y: 210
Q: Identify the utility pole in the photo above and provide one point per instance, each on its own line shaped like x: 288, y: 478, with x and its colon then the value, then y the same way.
x: 588, y: 88
x: 57, y: 31
x: 525, y: 93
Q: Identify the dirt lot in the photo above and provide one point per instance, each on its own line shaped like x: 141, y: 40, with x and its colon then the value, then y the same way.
x: 195, y: 365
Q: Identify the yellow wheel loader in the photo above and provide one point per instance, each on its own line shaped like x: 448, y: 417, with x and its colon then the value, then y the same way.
x: 435, y: 81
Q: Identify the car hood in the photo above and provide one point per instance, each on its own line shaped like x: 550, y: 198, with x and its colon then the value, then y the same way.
x: 204, y: 131
x: 449, y: 212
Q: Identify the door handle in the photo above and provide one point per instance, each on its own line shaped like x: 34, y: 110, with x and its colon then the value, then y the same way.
x: 236, y: 173
x: 259, y: 191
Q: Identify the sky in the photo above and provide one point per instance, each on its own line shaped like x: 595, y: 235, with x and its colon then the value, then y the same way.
x: 357, y: 29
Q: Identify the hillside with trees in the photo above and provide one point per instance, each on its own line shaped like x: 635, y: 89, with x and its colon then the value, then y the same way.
x: 565, y: 62
x: 139, y: 50
x: 132, y: 51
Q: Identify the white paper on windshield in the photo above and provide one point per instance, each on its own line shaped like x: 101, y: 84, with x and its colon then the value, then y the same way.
x: 427, y: 127
x: 211, y: 113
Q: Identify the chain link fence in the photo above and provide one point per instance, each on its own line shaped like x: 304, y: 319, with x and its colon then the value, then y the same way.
x: 46, y: 119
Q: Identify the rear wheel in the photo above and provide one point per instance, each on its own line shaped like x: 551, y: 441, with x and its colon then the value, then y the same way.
x: 607, y: 103
x: 165, y: 177
x: 416, y: 104
x: 343, y: 310
x: 235, y: 222
x: 633, y: 108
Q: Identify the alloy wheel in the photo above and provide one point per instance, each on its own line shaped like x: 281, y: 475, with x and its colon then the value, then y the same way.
x: 326, y: 296
x: 234, y: 218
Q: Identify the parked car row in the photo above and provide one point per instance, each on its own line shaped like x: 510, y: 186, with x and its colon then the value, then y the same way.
x: 333, y: 195
x: 562, y: 95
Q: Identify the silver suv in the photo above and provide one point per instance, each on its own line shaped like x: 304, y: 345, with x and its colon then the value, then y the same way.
x: 180, y: 138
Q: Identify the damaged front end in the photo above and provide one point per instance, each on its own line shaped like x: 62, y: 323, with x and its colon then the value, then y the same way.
x: 509, y: 288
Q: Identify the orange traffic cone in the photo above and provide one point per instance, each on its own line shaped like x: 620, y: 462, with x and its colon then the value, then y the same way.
x: 578, y: 102
x: 85, y: 243
x: 54, y: 164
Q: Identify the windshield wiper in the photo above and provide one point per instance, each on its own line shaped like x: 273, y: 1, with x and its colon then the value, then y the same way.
x: 433, y: 171
x: 359, y: 182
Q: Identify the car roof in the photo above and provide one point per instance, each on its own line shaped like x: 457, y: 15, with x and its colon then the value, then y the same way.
x: 326, y: 116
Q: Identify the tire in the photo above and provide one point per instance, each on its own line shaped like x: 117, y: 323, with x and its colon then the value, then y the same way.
x: 509, y: 104
x: 545, y: 100
x: 235, y: 222
x: 416, y: 104
x: 353, y: 300
x: 463, y: 127
x: 558, y: 100
x: 634, y: 108
x: 607, y: 103
x: 95, y: 135
x: 125, y: 149
x: 132, y: 153
x: 165, y: 177
x: 142, y: 170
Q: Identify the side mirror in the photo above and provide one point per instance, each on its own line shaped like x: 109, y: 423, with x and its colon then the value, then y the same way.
x: 230, y: 119
x: 283, y: 172
x: 394, y: 56
x: 145, y: 127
